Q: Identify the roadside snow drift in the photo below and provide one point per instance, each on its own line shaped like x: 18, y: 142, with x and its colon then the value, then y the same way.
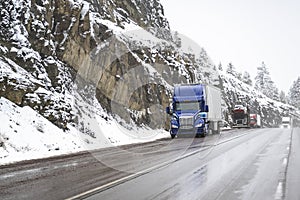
x: 25, y: 135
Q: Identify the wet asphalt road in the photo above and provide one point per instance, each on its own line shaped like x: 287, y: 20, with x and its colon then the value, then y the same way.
x: 293, y: 174
x: 255, y: 166
x: 239, y: 164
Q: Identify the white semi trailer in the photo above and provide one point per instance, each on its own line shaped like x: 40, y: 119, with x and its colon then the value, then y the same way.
x: 286, y: 122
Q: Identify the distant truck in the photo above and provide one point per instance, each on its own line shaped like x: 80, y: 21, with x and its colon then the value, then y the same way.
x: 255, y: 121
x: 286, y: 122
x: 195, y: 109
x: 240, y: 116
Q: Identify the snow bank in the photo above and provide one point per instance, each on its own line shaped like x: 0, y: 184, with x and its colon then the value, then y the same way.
x: 25, y: 135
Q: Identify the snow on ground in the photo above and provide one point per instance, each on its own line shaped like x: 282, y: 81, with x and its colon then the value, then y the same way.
x: 99, y: 129
x: 25, y: 135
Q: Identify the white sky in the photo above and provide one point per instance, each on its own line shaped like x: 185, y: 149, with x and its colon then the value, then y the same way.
x: 244, y: 32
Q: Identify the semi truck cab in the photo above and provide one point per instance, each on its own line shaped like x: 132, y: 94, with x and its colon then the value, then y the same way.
x: 189, y: 110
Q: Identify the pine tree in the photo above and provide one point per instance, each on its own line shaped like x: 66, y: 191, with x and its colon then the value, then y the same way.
x: 247, y: 78
x: 282, y: 97
x: 177, y: 40
x: 264, y: 83
x: 271, y: 90
x: 294, y: 93
x: 204, y: 60
x: 275, y: 96
x: 239, y: 76
x: 220, y: 67
x: 268, y: 87
x: 260, y: 78
x: 231, y: 70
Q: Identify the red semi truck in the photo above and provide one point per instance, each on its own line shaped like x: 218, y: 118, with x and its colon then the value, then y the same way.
x: 240, y: 116
x: 255, y: 121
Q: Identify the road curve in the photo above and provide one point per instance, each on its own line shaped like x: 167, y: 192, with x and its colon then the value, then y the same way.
x: 250, y: 167
x: 184, y: 168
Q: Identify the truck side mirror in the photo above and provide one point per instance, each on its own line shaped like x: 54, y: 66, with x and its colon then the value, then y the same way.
x: 168, y: 110
x: 206, y: 109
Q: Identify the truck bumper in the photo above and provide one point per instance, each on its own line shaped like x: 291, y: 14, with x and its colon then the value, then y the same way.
x: 193, y: 132
x: 241, y: 126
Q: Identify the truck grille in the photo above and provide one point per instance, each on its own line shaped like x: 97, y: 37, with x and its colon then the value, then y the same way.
x: 239, y: 121
x: 186, y: 122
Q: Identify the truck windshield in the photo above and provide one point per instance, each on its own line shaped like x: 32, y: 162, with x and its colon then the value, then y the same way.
x: 181, y: 106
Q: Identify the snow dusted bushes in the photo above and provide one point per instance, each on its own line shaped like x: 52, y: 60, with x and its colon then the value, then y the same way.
x: 294, y: 93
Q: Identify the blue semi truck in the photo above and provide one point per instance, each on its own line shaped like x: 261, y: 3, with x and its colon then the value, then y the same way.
x: 195, y: 109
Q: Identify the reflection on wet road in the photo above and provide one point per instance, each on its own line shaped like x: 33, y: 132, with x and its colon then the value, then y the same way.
x: 238, y: 164
x: 250, y: 167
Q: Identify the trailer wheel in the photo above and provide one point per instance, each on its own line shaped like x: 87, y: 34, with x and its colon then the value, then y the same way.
x: 212, y: 127
x: 219, y: 128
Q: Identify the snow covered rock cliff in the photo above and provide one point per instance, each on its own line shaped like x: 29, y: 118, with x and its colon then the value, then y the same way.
x: 100, y: 67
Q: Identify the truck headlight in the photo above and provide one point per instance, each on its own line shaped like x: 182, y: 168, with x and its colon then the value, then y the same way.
x: 174, y: 126
x: 199, y: 125
x: 174, y: 121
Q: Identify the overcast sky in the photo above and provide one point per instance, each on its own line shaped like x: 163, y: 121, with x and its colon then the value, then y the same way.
x: 244, y: 32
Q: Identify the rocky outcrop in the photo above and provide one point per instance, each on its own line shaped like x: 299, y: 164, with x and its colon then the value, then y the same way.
x: 29, y: 58
x: 51, y: 48
x: 146, y: 14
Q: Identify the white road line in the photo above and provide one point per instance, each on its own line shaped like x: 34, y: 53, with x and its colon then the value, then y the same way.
x: 235, y: 137
x: 27, y: 172
x: 285, y: 160
x: 281, y: 187
x: 279, y: 191
x: 130, y: 177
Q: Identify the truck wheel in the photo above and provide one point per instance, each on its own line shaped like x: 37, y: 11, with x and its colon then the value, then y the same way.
x: 219, y: 128
x: 205, y: 132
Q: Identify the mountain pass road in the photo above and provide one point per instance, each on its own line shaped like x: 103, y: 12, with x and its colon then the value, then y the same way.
x: 238, y: 164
